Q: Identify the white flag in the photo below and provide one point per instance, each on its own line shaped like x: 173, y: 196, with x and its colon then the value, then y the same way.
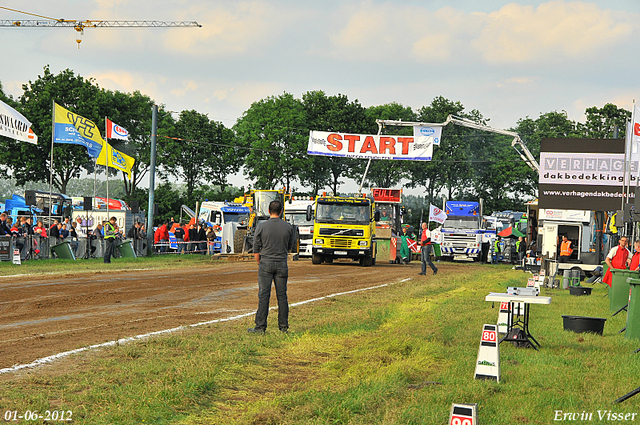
x: 436, y: 214
x: 15, y: 126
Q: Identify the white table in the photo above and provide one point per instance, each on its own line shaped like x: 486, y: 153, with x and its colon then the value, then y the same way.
x: 514, y: 323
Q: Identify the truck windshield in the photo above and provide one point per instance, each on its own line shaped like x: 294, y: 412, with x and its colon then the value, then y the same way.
x: 261, y: 201
x: 298, y: 218
x: 236, y: 217
x: 460, y: 222
x: 386, y: 212
x: 342, y: 213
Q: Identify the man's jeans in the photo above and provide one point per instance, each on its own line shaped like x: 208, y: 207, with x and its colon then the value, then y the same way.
x: 276, y: 272
x: 426, y: 259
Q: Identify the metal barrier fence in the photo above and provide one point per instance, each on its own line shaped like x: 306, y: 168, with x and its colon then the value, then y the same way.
x: 39, y: 248
x: 179, y: 247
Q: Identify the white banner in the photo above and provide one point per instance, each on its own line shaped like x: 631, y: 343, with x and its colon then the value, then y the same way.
x: 436, y: 214
x: 370, y: 146
x: 15, y: 126
x: 589, y: 169
x: 435, y: 132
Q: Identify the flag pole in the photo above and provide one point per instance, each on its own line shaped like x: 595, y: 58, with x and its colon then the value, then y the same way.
x: 106, y: 140
x: 53, y: 134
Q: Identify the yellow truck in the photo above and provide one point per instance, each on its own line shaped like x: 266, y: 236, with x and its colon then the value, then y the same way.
x: 343, y: 227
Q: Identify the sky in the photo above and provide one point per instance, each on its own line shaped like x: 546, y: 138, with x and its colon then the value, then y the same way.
x: 508, y: 60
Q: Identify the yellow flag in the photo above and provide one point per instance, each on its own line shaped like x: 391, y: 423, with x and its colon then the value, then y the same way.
x: 113, y: 158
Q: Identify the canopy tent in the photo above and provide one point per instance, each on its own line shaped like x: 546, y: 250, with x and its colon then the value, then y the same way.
x: 511, y: 232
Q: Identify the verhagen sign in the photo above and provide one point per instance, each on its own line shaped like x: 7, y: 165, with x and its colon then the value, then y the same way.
x: 583, y: 174
x: 370, y: 146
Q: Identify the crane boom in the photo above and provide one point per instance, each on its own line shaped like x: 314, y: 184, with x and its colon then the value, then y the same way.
x: 79, y: 25
x: 516, y: 143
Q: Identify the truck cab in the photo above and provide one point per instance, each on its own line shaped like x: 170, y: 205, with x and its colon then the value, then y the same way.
x: 344, y: 227
x: 462, y: 235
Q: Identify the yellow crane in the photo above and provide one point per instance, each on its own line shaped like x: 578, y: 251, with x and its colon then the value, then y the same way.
x: 79, y: 26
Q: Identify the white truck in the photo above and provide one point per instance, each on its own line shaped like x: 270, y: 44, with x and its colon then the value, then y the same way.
x: 224, y: 217
x: 462, y: 236
x: 296, y: 214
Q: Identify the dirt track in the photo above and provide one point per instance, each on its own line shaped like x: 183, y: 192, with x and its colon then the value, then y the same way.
x: 43, y: 316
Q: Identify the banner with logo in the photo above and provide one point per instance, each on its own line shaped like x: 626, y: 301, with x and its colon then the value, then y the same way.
x: 73, y: 129
x: 583, y: 174
x: 15, y: 126
x: 370, y: 146
x: 114, y: 131
x: 433, y: 131
x: 113, y: 158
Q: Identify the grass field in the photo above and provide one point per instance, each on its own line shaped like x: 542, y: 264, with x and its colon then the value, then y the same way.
x: 395, y: 355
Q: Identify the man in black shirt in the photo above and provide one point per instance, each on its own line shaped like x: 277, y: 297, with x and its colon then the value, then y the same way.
x: 179, y: 234
x: 271, y: 244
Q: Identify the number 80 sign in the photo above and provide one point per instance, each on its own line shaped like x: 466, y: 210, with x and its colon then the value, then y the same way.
x: 458, y: 420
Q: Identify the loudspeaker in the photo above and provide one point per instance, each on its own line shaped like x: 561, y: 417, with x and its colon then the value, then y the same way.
x: 135, y: 207
x: 87, y: 203
x: 155, y: 209
x: 627, y: 208
x: 30, y: 197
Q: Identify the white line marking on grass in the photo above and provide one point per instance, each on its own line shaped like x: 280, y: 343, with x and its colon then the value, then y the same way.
x: 50, y: 359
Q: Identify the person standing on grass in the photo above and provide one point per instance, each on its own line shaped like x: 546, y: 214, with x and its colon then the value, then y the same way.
x: 272, y: 243
x: 635, y: 260
x: 425, y: 242
x: 617, y: 258
x: 110, y: 230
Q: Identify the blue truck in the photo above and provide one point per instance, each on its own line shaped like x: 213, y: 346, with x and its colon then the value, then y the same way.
x: 463, y: 235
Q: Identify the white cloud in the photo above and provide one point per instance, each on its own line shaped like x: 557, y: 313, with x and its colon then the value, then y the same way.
x: 514, y: 33
x: 557, y: 29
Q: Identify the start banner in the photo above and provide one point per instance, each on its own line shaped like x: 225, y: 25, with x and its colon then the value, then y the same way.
x: 370, y: 146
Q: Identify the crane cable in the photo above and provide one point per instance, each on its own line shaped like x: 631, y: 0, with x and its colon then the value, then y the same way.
x: 33, y: 14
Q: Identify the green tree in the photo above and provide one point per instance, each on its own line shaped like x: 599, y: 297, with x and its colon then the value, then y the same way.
x: 32, y: 163
x: 274, y: 134
x: 133, y: 111
x: 203, y: 151
x: 602, y: 122
x: 331, y: 113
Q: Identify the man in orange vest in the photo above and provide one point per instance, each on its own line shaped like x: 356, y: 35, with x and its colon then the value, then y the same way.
x: 565, y: 250
x: 618, y: 258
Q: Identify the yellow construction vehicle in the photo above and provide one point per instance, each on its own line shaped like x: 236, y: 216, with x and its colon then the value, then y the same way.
x: 258, y: 203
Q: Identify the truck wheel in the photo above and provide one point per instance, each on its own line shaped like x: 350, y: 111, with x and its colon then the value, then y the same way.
x: 367, y: 261
x: 316, y: 259
x: 238, y: 241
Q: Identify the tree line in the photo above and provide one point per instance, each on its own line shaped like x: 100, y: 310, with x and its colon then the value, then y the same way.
x: 269, y: 144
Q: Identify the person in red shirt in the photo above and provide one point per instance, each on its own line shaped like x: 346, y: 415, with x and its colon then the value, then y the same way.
x: 618, y: 258
x: 635, y: 260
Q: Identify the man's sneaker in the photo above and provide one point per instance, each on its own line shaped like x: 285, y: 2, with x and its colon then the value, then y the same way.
x: 256, y: 331
x: 435, y: 272
x: 284, y: 330
x: 421, y: 274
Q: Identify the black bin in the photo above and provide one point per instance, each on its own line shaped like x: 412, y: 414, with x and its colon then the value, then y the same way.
x: 579, y: 290
x: 580, y: 324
